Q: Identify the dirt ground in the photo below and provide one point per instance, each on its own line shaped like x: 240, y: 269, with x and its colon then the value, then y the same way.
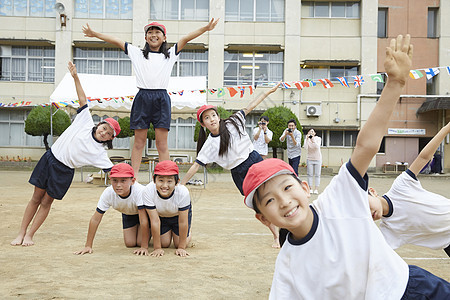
x: 230, y: 255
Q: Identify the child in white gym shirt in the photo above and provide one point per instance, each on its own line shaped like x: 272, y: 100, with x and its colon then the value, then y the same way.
x: 409, y: 213
x: 168, y: 204
x: 83, y: 143
x: 122, y: 195
x: 334, y: 250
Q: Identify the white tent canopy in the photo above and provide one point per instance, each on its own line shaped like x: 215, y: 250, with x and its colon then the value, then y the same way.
x: 110, y: 86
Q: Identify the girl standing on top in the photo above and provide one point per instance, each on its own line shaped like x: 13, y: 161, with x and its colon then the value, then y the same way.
x: 81, y: 144
x: 153, y: 66
x: 228, y: 145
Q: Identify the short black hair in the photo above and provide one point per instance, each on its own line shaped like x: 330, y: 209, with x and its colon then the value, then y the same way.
x: 264, y: 118
x: 176, y: 177
x: 292, y: 121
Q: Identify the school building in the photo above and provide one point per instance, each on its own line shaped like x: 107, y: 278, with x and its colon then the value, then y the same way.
x: 254, y: 44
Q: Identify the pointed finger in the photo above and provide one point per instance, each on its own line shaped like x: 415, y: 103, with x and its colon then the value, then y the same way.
x: 406, y: 43
x: 398, y: 45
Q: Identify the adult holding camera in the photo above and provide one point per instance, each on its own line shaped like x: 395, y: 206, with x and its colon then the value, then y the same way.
x: 262, y: 136
x: 313, y: 159
x: 293, y: 139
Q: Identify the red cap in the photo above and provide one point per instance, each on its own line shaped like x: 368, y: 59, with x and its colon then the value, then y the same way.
x: 122, y: 170
x: 157, y: 25
x: 166, y: 167
x: 202, y: 109
x: 260, y: 173
x: 114, y: 125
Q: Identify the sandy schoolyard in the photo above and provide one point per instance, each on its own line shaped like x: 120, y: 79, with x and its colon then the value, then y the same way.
x: 230, y: 254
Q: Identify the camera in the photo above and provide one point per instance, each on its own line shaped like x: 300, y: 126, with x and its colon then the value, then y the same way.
x: 262, y: 123
x: 310, y: 136
x: 289, y: 130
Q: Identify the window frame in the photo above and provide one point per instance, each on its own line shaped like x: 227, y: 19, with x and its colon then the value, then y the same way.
x: 432, y: 24
x: 310, y: 5
x: 155, y: 15
x: 26, y: 140
x: 383, y: 20
x: 122, y: 6
x: 176, y: 70
x: 121, y: 58
x: 273, y: 18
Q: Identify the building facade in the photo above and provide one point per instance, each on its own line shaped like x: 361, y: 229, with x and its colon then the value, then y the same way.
x: 255, y: 43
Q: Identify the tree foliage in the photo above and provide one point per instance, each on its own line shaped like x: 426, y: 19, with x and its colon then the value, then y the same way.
x: 38, y: 123
x: 125, y: 130
x: 278, y: 118
x: 223, y: 114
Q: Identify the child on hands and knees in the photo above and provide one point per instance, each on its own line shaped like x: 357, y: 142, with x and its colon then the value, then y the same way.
x: 334, y: 250
x: 83, y: 143
x: 409, y: 213
x: 228, y: 145
x: 153, y: 66
x: 168, y: 205
x: 122, y: 195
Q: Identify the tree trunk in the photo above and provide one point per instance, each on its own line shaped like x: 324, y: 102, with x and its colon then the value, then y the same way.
x: 274, y: 151
x: 46, y: 142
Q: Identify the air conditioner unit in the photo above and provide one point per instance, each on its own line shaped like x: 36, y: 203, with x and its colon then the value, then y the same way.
x: 180, y: 159
x: 313, y: 110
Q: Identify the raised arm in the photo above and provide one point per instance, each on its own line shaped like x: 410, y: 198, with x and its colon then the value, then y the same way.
x: 104, y: 37
x: 196, y: 33
x: 427, y: 152
x: 397, y: 65
x: 80, y: 92
x: 259, y: 99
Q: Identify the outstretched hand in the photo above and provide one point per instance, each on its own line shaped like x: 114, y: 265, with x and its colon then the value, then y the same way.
x: 84, y: 251
x: 72, y: 69
x: 398, y: 59
x: 88, y: 31
x: 212, y: 24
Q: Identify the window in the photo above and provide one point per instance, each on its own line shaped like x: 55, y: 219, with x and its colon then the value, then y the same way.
x: 431, y: 86
x: 181, y: 134
x: 320, y: 9
x: 32, y: 8
x: 382, y: 22
x: 252, y: 68
x: 339, y: 138
x: 104, y: 9
x: 330, y: 72
x: 191, y: 63
x: 432, y: 22
x: 105, y: 61
x: 27, y: 63
x: 380, y: 85
x: 179, y: 10
x: 254, y: 10
x: 12, y: 129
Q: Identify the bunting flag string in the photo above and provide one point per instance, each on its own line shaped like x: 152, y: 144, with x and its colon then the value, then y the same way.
x: 327, y: 83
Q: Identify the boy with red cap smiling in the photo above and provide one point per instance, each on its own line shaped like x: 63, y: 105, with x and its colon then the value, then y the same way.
x: 122, y: 195
x: 334, y: 250
x: 153, y: 66
x: 83, y: 143
x: 168, y: 205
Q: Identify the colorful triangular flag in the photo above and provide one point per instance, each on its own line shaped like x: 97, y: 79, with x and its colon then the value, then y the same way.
x: 343, y: 81
x: 311, y: 83
x: 285, y: 85
x: 232, y: 91
x: 326, y: 83
x: 415, y: 74
x: 242, y: 90
x: 377, y: 78
x: 358, y: 80
x: 448, y: 70
x: 431, y: 72
x: 251, y: 89
x: 221, y: 92
x: 298, y: 84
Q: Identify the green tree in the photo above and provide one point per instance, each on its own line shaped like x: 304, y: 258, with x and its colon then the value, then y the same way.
x: 38, y: 123
x: 278, y: 118
x: 223, y: 114
x: 126, y: 131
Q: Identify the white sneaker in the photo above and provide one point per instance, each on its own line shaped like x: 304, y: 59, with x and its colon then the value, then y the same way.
x: 316, y: 192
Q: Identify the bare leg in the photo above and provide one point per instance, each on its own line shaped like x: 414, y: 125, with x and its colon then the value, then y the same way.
x: 39, y: 218
x: 166, y: 239
x: 131, y: 236
x: 28, y: 215
x: 140, y: 138
x: 161, y: 135
x: 274, y: 230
